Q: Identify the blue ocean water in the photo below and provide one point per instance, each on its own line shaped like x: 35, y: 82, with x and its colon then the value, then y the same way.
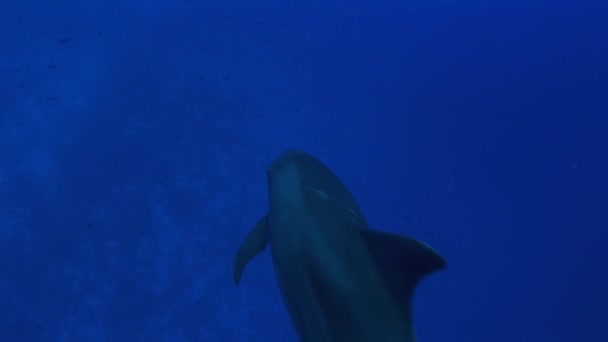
x: 134, y: 137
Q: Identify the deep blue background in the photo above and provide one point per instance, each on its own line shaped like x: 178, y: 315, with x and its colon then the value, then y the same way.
x: 134, y: 137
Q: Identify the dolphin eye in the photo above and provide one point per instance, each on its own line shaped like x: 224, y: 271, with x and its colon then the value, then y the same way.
x: 355, y: 216
x: 320, y: 193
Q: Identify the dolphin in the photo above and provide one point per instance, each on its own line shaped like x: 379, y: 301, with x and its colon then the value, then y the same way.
x: 340, y: 279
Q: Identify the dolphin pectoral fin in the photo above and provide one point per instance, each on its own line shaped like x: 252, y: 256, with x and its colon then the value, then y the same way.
x: 255, y: 242
x: 402, y: 263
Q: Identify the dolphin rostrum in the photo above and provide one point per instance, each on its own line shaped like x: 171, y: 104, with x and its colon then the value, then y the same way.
x: 340, y: 279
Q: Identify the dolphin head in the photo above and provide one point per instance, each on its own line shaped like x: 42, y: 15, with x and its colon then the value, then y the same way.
x: 284, y: 180
x: 296, y: 178
x: 289, y: 159
x: 298, y: 171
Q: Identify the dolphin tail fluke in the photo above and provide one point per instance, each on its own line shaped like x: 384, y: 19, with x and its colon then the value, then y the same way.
x: 255, y: 242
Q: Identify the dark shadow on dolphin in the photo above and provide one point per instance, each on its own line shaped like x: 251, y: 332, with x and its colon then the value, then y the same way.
x: 340, y: 279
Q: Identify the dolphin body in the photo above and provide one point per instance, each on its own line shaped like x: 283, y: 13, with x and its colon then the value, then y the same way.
x: 340, y: 279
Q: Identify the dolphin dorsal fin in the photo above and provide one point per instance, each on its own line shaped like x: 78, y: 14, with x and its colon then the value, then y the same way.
x: 255, y: 242
x: 402, y: 263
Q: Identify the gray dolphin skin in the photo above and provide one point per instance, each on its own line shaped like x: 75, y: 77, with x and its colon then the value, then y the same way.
x: 340, y: 279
